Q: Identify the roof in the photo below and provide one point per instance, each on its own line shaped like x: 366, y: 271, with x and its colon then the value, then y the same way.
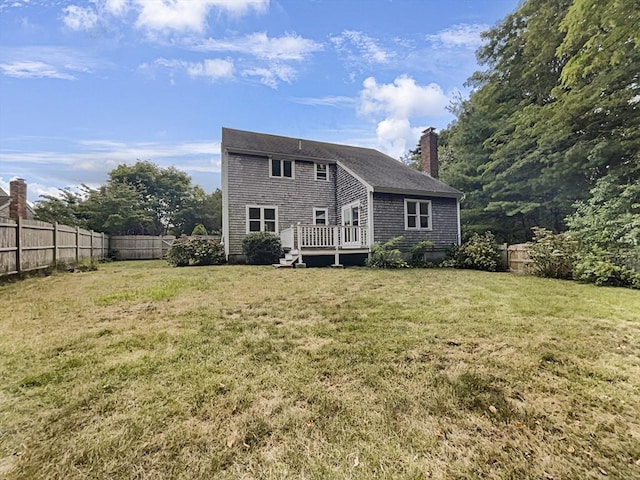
x: 382, y: 172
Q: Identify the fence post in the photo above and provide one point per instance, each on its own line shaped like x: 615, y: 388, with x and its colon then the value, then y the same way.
x: 102, y: 246
x: 55, y: 244
x: 19, y: 244
x: 77, y: 244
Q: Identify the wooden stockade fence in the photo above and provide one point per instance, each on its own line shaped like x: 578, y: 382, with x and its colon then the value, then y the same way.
x: 28, y: 245
x: 140, y: 247
x: 518, y: 258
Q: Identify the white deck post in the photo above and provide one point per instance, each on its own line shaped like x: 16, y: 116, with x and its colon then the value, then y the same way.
x: 336, y: 242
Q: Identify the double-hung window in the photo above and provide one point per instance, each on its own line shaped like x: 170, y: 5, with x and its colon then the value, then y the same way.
x: 417, y: 214
x: 320, y: 216
x: 281, y: 168
x: 262, y: 219
x: 322, y: 171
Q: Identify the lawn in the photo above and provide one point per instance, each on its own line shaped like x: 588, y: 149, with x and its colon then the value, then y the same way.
x: 144, y: 371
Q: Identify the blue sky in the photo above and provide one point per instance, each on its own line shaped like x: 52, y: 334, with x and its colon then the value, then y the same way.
x: 88, y: 85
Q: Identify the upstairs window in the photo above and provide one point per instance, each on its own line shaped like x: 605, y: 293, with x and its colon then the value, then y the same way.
x: 281, y: 168
x: 262, y: 219
x: 417, y: 214
x: 322, y: 171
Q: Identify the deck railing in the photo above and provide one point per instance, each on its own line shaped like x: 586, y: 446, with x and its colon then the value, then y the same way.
x: 287, y: 238
x: 324, y: 236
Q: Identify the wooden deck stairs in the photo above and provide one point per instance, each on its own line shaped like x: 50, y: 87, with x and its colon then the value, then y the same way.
x: 289, y: 259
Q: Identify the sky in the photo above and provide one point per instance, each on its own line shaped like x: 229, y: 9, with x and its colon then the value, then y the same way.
x: 88, y: 85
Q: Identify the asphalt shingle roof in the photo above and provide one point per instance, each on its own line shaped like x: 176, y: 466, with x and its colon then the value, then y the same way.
x: 382, y: 172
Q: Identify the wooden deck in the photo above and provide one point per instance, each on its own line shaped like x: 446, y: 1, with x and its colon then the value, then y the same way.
x: 301, y: 240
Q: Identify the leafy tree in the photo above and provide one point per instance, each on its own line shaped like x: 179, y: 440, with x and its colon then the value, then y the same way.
x: 608, y: 223
x: 64, y: 209
x: 141, y: 199
x: 200, y: 208
x: 555, y: 111
x: 117, y: 209
x: 163, y: 191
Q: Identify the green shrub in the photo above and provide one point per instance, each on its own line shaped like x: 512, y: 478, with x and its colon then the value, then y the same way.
x: 552, y: 255
x: 480, y: 252
x: 387, y: 255
x: 418, y: 254
x: 262, y: 248
x: 87, y: 265
x: 199, y: 229
x: 596, y: 268
x: 187, y: 251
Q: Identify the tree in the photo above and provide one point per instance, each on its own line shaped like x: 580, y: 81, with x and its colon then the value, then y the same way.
x: 117, y: 209
x: 609, y: 221
x: 555, y: 111
x: 141, y: 199
x: 163, y: 191
x: 201, y: 208
x: 64, y: 209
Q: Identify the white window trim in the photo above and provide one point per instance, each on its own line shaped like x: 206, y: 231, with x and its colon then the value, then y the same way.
x: 406, y: 214
x: 350, y: 206
x: 321, y: 209
x: 315, y: 169
x: 261, y: 207
x: 282, y: 160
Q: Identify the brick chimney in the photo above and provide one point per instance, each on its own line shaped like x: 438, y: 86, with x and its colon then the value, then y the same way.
x: 429, y: 149
x: 18, y: 194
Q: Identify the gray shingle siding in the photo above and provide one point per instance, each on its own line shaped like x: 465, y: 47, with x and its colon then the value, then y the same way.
x: 354, y: 174
x: 389, y: 222
x: 348, y: 190
x: 249, y: 183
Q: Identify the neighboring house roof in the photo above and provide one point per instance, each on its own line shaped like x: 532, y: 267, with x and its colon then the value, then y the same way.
x: 5, y: 202
x: 382, y: 172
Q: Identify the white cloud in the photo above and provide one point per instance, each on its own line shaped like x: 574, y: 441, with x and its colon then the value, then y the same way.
x: 272, y: 75
x: 459, y: 36
x: 395, y: 105
x: 328, y: 101
x: 365, y: 46
x: 158, y: 16
x: 80, y: 18
x: 33, y: 69
x: 273, y: 55
x: 116, y: 7
x: 213, y: 69
x: 402, y: 98
x: 36, y: 190
x: 46, y: 62
x: 286, y: 47
x: 93, y: 154
x: 188, y: 15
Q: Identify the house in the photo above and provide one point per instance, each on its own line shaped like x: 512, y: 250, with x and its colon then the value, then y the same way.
x: 14, y: 204
x: 333, y: 200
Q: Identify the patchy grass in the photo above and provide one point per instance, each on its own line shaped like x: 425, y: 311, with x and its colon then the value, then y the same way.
x: 143, y: 371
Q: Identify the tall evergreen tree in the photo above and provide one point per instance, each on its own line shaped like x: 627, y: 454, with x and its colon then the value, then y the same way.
x: 556, y: 109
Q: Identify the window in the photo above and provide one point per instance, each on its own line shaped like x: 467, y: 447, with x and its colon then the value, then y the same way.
x: 262, y: 219
x: 351, y: 214
x: 417, y: 214
x: 320, y: 216
x: 281, y: 168
x: 322, y: 171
